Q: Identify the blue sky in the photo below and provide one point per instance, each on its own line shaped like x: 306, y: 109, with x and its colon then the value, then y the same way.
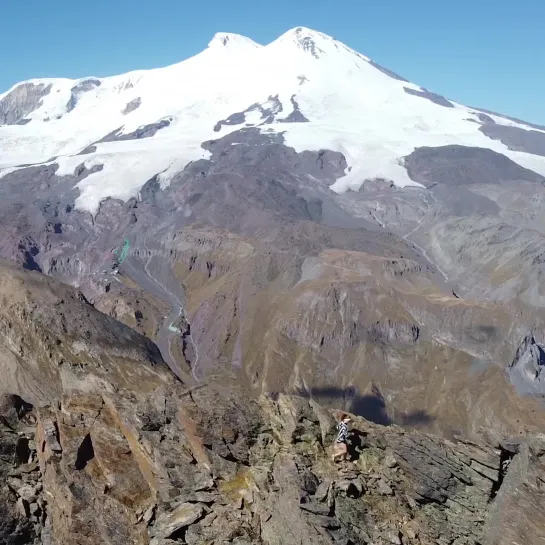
x: 482, y: 52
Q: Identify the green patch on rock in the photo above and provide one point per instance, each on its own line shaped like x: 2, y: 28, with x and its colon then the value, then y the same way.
x: 234, y: 488
x: 370, y: 459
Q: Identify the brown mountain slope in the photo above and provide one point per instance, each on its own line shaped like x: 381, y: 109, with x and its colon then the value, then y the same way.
x: 52, y: 340
x: 247, y: 264
x: 119, y: 451
x: 340, y: 324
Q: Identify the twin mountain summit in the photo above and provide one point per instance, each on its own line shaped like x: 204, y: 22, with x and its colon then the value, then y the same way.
x: 202, y: 263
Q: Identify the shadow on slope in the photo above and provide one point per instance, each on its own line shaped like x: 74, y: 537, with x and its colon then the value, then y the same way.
x: 369, y: 405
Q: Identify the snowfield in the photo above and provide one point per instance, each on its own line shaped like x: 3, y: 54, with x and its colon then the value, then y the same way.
x: 351, y: 106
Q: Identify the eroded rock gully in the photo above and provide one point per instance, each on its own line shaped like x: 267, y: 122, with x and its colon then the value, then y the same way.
x: 208, y: 466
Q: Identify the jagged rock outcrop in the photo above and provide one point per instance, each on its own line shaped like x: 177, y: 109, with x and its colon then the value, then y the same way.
x: 210, y: 465
x: 117, y: 450
x: 528, y: 365
x: 511, y: 518
x: 22, y: 505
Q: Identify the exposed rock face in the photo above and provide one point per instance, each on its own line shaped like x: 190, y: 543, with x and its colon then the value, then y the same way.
x: 460, y: 165
x: 433, y: 97
x: 206, y: 466
x: 22, y: 508
x: 510, y: 519
x: 78, y: 90
x: 527, y: 368
x: 131, y: 455
x: 132, y: 105
x: 23, y: 100
x: 147, y: 131
x: 269, y: 113
x: 516, y: 138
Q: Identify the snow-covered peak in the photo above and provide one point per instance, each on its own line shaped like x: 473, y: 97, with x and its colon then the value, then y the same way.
x: 229, y: 40
x: 306, y: 86
x: 311, y: 41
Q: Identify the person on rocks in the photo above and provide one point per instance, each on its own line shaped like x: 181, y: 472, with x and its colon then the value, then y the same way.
x: 340, y: 447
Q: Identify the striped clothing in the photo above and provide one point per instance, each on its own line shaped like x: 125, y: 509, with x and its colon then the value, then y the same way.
x: 343, y: 432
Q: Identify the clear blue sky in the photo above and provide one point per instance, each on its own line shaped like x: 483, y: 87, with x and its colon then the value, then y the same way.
x: 488, y: 53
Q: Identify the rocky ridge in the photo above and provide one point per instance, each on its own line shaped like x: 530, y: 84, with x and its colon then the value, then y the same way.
x: 201, y: 466
x: 143, y: 458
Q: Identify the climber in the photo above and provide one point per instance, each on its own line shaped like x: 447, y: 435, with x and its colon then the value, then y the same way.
x: 340, y: 447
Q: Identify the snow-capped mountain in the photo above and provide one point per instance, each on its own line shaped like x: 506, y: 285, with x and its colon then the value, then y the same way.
x: 225, y: 245
x: 313, y: 90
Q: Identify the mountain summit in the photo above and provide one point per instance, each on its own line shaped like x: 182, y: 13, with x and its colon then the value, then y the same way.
x: 226, y: 39
x: 307, y: 88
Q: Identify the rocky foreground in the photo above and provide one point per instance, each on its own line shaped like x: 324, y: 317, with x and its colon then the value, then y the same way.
x: 200, y: 466
x: 101, y: 444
